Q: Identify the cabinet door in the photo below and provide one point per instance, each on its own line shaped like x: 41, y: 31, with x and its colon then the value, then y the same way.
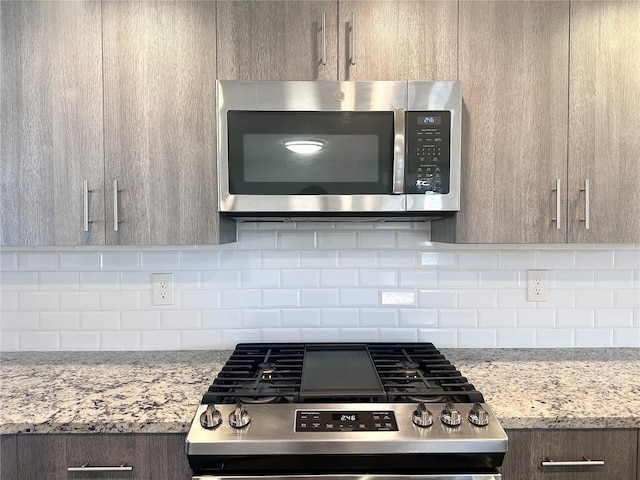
x: 398, y: 40
x: 603, y: 124
x: 48, y: 456
x: 8, y: 456
x: 51, y: 123
x: 159, y: 81
x: 513, y: 68
x: 276, y: 40
x: 529, y: 448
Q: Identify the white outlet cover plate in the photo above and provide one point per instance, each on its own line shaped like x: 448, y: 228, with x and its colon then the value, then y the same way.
x: 162, y: 284
x: 537, y: 285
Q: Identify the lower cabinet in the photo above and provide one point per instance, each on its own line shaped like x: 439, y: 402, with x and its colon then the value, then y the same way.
x: 528, y: 449
x: 8, y: 456
x: 51, y: 456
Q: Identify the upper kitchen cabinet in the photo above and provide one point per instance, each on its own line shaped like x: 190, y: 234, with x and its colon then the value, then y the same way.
x: 51, y: 131
x: 513, y: 60
x: 159, y: 120
x: 398, y: 40
x: 344, y: 40
x: 604, y: 115
x: 277, y: 40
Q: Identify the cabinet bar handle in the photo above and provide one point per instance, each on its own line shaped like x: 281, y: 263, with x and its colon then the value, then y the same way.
x: 86, y: 468
x: 353, y: 39
x: 585, y: 462
x: 86, y: 206
x: 115, y: 206
x: 557, y: 190
x: 323, y: 60
x: 587, y: 201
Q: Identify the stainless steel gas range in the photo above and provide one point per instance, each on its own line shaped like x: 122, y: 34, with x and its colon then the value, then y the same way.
x: 376, y: 410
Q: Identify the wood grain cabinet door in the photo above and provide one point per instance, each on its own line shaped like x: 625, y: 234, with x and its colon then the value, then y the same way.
x: 529, y: 448
x: 397, y: 40
x: 51, y: 124
x: 603, y: 123
x: 160, y: 138
x: 277, y: 40
x: 513, y: 60
x: 150, y: 456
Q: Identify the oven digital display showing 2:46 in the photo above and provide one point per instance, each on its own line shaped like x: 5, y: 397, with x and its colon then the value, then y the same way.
x: 345, y: 417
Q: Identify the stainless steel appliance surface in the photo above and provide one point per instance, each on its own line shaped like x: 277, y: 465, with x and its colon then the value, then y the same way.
x: 381, y: 410
x: 289, y: 149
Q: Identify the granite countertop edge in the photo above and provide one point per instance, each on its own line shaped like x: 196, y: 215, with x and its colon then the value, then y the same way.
x: 157, y: 392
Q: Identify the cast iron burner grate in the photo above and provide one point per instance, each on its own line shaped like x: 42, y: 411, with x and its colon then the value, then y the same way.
x: 272, y: 373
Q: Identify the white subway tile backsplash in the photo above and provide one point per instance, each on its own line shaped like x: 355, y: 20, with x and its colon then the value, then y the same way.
x: 377, y: 239
x: 554, y: 337
x: 59, y: 321
x: 80, y: 341
x: 99, y: 321
x: 79, y: 261
x: 379, y: 318
x: 339, y: 277
x: 437, y: 298
x: 120, y: 260
x: 19, y: 321
x: 39, y: 301
x: 124, y: 341
x: 239, y: 259
x: 417, y: 318
x: 160, y: 261
x: 359, y: 297
x: 626, y: 337
x: 305, y: 281
x: 441, y: 337
x: 38, y: 341
x: 337, y: 239
x: 594, y: 337
x: 82, y: 301
x: 260, y: 318
x: 37, y: 261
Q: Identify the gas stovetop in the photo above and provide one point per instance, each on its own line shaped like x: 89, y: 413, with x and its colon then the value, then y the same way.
x: 380, y: 372
x: 338, y: 408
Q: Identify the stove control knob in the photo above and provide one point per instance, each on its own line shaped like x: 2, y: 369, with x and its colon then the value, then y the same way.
x: 239, y: 417
x: 450, y: 415
x: 211, y: 417
x: 421, y: 416
x: 478, y: 415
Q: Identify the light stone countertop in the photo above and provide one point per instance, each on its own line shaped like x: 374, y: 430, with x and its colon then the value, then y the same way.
x: 157, y: 392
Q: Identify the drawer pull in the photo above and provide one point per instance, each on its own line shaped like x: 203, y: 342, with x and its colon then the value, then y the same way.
x: 585, y: 462
x: 86, y: 468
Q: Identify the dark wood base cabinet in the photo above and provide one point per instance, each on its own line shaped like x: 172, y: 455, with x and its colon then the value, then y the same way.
x: 528, y: 449
x: 50, y: 456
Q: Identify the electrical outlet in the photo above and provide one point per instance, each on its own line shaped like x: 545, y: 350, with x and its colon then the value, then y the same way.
x: 162, y: 288
x: 537, y: 285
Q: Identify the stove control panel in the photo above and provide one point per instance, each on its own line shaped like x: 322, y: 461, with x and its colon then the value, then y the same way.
x: 345, y: 421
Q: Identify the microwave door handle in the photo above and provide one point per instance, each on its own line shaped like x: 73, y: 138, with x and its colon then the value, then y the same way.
x: 398, y: 151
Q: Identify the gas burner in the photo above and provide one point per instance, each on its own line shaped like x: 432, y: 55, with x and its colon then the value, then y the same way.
x: 257, y: 400
x: 418, y: 399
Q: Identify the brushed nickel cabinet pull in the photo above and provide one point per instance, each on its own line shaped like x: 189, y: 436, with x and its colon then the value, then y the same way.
x: 585, y: 462
x: 323, y: 60
x: 86, y: 206
x: 558, y: 204
x: 353, y: 39
x: 86, y: 468
x: 115, y: 206
x: 587, y: 202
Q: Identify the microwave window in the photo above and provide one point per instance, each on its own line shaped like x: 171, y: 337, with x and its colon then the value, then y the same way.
x: 298, y: 153
x: 319, y: 158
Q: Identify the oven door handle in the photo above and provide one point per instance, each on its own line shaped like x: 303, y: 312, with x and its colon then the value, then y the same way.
x: 398, y: 151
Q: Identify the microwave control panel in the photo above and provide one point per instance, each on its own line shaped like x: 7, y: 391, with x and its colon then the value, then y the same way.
x: 428, y: 146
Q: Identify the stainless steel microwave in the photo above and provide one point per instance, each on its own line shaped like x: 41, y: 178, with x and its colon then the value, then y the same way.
x: 327, y: 149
